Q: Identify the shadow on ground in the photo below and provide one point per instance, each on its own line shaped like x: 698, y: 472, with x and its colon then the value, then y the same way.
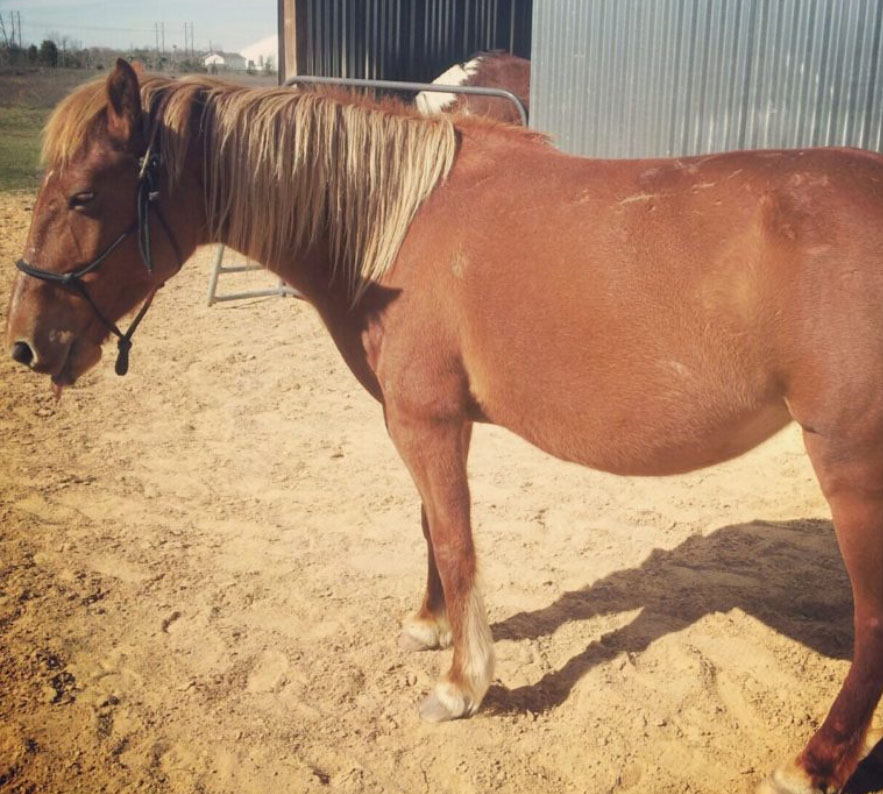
x: 789, y: 575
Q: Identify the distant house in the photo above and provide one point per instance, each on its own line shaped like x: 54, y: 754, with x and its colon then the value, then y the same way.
x: 225, y: 61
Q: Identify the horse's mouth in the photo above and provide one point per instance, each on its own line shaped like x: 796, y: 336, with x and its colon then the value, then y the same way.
x: 77, y: 359
x: 64, y: 376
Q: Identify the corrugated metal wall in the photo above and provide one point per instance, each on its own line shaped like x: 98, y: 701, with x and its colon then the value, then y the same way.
x: 405, y: 39
x: 620, y: 78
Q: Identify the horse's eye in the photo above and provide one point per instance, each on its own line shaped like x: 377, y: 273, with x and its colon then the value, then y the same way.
x: 81, y: 199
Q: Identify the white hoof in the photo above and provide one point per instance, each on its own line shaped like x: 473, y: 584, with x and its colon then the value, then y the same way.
x: 424, y: 635
x: 788, y: 779
x: 445, y: 702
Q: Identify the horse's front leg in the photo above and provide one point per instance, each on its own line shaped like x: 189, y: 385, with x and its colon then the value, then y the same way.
x: 852, y: 479
x: 428, y: 627
x: 435, y: 451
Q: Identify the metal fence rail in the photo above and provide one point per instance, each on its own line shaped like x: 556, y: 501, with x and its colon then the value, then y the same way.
x: 403, y: 85
x: 218, y: 269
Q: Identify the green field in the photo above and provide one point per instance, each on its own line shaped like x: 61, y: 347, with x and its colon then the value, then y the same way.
x: 20, y: 146
x: 26, y: 99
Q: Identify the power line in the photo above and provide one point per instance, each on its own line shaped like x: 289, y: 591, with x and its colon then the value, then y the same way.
x: 65, y: 25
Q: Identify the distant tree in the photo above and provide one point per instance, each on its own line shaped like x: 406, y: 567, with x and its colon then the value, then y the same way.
x: 49, y: 53
x: 33, y: 53
x: 192, y: 65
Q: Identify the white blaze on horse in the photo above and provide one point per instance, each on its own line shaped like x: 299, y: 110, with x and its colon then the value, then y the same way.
x: 487, y: 70
x: 640, y: 317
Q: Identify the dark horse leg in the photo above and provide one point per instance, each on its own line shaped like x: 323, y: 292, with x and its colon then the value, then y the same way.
x: 851, y: 476
x: 435, y: 451
x: 428, y: 628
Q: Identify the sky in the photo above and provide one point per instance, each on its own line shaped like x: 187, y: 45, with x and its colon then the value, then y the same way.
x: 233, y: 24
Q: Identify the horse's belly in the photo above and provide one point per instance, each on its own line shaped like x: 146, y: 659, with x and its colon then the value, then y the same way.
x: 652, y: 440
x: 675, y: 453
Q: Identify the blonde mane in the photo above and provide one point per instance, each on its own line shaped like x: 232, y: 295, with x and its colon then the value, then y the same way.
x: 282, y: 167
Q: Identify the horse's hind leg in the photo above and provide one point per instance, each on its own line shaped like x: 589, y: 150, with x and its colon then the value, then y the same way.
x: 851, y: 476
x: 428, y: 628
x: 435, y: 451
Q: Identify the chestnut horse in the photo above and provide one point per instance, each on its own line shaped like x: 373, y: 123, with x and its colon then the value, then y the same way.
x: 640, y: 317
x: 488, y: 70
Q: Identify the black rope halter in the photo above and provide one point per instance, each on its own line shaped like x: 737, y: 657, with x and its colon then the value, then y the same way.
x: 146, y: 197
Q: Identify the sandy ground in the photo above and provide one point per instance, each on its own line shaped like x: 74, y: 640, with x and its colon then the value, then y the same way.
x: 203, y: 566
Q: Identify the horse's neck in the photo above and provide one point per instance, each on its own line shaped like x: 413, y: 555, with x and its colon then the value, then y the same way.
x: 304, y: 264
x: 310, y: 273
x: 354, y: 177
x: 308, y: 269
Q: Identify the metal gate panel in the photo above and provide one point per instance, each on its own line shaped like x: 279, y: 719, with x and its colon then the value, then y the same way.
x: 622, y: 78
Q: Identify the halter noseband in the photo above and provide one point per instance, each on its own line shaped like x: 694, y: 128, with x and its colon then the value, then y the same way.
x: 146, y: 195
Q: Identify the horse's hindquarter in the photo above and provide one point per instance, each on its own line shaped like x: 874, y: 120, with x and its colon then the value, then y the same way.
x: 643, y: 317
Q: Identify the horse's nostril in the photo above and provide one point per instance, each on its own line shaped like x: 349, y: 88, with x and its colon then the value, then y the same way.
x: 22, y: 353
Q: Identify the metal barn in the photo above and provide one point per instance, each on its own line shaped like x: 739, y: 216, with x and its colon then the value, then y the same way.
x: 631, y: 78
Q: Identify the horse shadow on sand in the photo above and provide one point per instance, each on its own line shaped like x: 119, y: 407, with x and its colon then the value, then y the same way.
x: 788, y: 575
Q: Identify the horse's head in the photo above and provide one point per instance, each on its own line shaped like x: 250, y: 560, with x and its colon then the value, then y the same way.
x: 88, y: 258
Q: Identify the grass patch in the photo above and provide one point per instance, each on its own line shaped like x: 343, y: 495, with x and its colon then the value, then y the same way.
x: 27, y: 97
x: 20, y: 146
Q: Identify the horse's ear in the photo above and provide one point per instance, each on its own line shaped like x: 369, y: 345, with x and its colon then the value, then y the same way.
x: 123, y: 103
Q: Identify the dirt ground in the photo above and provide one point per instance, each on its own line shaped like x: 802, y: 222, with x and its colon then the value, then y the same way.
x: 203, y: 566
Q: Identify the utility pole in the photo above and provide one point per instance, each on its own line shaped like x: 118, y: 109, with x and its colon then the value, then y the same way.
x: 192, y: 41
x: 163, y: 28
